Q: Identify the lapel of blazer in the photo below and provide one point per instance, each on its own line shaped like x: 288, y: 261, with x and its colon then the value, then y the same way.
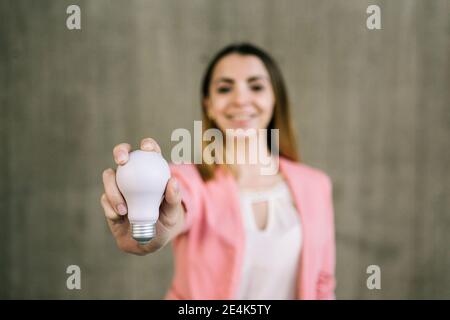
x: 227, y: 222
x: 296, y: 180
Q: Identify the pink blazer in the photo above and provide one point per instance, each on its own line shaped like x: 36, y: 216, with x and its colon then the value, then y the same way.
x: 209, y: 253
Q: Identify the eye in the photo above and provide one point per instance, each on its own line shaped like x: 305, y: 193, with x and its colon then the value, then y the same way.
x: 223, y: 89
x: 257, y: 88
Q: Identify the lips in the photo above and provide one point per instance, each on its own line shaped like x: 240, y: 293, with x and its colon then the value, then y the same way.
x: 243, y: 121
x: 240, y: 117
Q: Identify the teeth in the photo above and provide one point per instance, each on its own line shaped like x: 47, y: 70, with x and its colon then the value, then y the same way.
x: 241, y: 117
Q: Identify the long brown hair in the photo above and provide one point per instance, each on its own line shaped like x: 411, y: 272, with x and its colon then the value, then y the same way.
x: 281, y: 118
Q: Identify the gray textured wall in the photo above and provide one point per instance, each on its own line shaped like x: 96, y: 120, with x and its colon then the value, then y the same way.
x: 371, y: 108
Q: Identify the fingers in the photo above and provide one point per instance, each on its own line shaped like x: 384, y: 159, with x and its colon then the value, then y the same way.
x: 172, y: 194
x: 149, y: 144
x: 109, y: 211
x: 170, y: 208
x: 120, y: 153
x: 113, y: 194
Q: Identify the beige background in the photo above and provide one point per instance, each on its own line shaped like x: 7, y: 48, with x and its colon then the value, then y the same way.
x: 371, y: 109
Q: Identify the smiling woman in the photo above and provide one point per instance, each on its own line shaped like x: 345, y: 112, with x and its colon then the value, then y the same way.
x: 247, y: 84
x: 244, y: 88
x: 239, y: 233
x: 371, y: 106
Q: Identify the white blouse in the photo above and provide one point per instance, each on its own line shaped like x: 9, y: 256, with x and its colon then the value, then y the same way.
x: 272, y: 254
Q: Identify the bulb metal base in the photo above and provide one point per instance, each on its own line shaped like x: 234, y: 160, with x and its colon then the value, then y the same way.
x: 143, y: 233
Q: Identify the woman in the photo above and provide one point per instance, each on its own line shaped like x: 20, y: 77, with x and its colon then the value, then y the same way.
x: 238, y: 233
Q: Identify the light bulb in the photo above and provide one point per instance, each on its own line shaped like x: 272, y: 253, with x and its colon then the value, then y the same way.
x: 142, y: 181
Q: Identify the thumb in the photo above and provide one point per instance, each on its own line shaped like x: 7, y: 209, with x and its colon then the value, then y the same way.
x: 171, y: 205
x: 172, y: 195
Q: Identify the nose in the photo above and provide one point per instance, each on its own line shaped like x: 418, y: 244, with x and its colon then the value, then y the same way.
x: 241, y: 96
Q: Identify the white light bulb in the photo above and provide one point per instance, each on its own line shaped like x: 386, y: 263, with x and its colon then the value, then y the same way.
x: 142, y: 181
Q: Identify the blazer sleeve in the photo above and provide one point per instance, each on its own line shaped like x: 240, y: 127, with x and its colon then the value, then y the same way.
x: 190, y: 184
x: 327, y: 282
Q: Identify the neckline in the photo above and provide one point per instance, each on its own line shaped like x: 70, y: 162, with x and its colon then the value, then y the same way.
x: 265, y: 193
x: 250, y: 218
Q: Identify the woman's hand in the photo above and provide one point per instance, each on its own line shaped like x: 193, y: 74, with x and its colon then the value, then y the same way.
x: 171, y: 212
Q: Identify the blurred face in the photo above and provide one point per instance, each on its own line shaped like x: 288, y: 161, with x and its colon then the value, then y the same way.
x: 240, y: 93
